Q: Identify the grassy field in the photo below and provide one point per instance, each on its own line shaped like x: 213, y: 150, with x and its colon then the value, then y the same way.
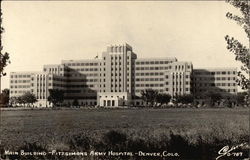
x: 210, y: 129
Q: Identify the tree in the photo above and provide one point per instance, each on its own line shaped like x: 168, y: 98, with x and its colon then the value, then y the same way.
x: 29, y: 98
x: 75, y: 103
x: 4, y: 57
x: 4, y: 97
x: 56, y: 96
x: 149, y: 96
x: 13, y: 101
x: 163, y: 98
x: 20, y: 100
x: 240, y: 98
x: 185, y: 99
x: 242, y: 53
x: 214, y: 97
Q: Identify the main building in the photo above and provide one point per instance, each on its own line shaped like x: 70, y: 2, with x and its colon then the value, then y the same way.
x: 118, y: 77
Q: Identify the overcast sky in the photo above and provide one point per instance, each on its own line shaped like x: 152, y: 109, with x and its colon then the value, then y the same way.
x: 38, y: 33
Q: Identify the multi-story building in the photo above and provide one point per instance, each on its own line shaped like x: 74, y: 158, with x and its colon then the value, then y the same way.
x: 37, y: 83
x: 221, y: 80
x: 118, y: 77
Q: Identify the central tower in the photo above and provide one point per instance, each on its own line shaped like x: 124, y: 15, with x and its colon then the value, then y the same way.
x: 117, y: 72
x: 117, y: 69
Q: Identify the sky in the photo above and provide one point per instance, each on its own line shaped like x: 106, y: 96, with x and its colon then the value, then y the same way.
x: 46, y: 32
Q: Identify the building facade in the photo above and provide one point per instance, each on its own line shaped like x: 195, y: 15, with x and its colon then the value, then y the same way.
x: 220, y: 80
x: 118, y: 77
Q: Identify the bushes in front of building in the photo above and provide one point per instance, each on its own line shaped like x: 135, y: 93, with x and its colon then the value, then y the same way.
x: 216, y: 99
x: 26, y: 100
x: 152, y: 98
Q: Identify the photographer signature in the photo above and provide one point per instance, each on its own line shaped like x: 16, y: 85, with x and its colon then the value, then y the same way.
x: 227, y: 151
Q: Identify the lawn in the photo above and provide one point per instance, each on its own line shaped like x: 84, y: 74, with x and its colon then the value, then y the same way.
x: 56, y: 128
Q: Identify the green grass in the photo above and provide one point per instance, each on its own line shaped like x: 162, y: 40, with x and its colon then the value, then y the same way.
x: 55, y: 129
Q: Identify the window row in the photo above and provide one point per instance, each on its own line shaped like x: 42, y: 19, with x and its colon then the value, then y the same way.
x: 38, y: 84
x: 82, y: 80
x: 58, y: 79
x: 20, y: 86
x: 140, y: 90
x: 216, y: 90
x: 181, y: 67
x: 153, y: 62
x: 214, y: 73
x: 82, y: 75
x: 149, y: 85
x: 20, y: 92
x: 80, y: 86
x: 149, y: 74
x: 214, y: 78
x: 82, y: 64
x: 178, y: 83
x: 39, y: 78
x: 116, y: 57
x: 20, y: 76
x: 53, y: 69
x: 214, y: 84
x: 86, y: 69
x: 153, y: 68
x: 176, y: 76
x: 19, y: 81
x: 149, y: 79
x: 181, y: 90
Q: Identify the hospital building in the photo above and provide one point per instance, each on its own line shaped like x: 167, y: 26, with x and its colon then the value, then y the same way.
x: 118, y: 77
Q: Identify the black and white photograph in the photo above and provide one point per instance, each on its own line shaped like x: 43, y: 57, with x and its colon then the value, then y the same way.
x: 125, y: 80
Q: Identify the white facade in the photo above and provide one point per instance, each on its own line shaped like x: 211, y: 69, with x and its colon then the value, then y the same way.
x: 112, y: 99
x: 118, y: 77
